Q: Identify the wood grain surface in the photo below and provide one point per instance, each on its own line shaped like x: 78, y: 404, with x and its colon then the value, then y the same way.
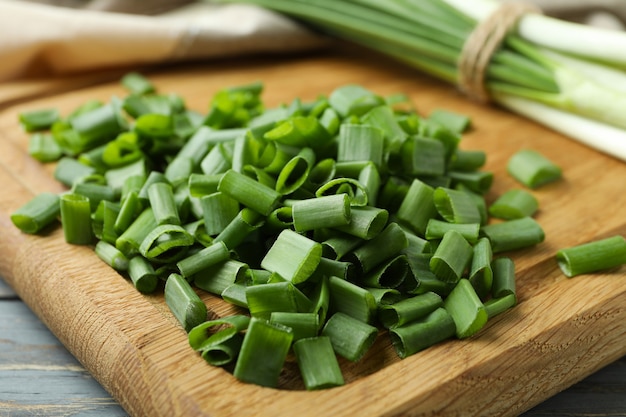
x: 561, y: 331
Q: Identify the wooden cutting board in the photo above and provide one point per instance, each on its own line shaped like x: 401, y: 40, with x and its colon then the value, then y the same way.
x: 561, y: 331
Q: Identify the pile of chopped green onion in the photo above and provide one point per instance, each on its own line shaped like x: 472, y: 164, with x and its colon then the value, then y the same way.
x: 327, y: 223
x: 567, y: 76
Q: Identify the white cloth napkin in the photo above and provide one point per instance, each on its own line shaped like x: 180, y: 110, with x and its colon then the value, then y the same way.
x: 43, y: 37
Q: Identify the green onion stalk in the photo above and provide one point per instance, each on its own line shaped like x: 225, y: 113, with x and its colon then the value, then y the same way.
x: 567, y: 76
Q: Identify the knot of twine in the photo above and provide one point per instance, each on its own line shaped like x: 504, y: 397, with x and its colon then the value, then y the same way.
x: 483, y: 42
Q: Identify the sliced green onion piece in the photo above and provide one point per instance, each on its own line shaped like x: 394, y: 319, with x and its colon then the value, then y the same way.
x: 37, y: 213
x: 350, y: 337
x: 76, y: 219
x: 295, y: 172
x: 184, y: 303
x: 332, y: 267
x: 451, y: 257
x: 214, y: 332
x: 423, y: 156
x: 205, y: 258
x: 386, y: 296
x: 455, y: 206
x: 478, y: 181
x: 481, y: 272
x: 321, y: 212
x: 38, y: 119
x: 69, y: 171
x: 111, y: 256
x: 384, y: 118
x: 142, y: 274
x: 360, y: 143
x: 339, y: 244
x: 44, y: 148
x: 467, y: 160
x: 437, y: 228
x: 299, y: 131
x: 503, y: 277
x: 217, y: 161
x: 137, y: 83
x: 293, y: 256
x: 365, y: 222
x: 453, y: 121
x: 514, y: 204
x: 592, y: 256
x: 532, y: 168
x: 201, y: 184
x: 417, y: 207
x: 351, y: 299
x: 266, y: 340
x: 385, y: 245
x: 303, y: 325
x: 513, y: 234
x: 244, y: 223
x: 236, y: 294
x: 166, y: 243
x: 216, y: 278
x: 466, y: 309
x: 129, y: 210
x: 94, y: 192
x: 390, y: 274
x: 422, y: 333
x: 355, y: 190
x: 408, y: 310
x: 219, y: 209
x: 353, y: 99
x: 495, y: 306
x: 130, y: 240
x: 96, y: 126
x: 317, y: 362
x: 249, y: 192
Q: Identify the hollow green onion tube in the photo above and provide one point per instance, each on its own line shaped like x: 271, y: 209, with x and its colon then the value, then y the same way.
x: 385, y: 245
x: 437, y: 228
x: 120, y: 178
x: 244, y: 223
x: 477, y: 181
x: 37, y: 213
x: 161, y: 199
x: 321, y: 212
x: 360, y: 143
x: 214, y: 332
x: 369, y: 176
x: 351, y: 299
x: 467, y: 160
x: 223, y: 353
x: 455, y: 206
x: 96, y: 126
x: 422, y: 333
x: 389, y: 274
x: 69, y: 171
x: 44, y: 148
x: 466, y: 309
x: 365, y: 222
x: 514, y: 204
x: 137, y: 83
x: 218, y: 211
x: 302, y: 131
x: 350, y: 337
x: 279, y: 219
x: 152, y: 178
x: 295, y: 172
x: 409, y: 309
x: 451, y: 257
x: 129, y: 210
x: 293, y: 256
x: 384, y: 118
x: 236, y: 294
x: 205, y: 258
x: 142, y: 274
x: 453, y: 121
x: 481, y: 272
x: 592, y: 256
x: 353, y: 99
x: 216, y: 278
x: 503, y: 277
x: 355, y: 190
x: 423, y: 156
x: 332, y: 267
x: 202, y: 184
x: 130, y: 240
x: 178, y: 170
x: 184, y: 303
x: 532, y: 168
x: 282, y: 296
x: 249, y: 192
x: 303, y: 325
x: 111, y: 256
x: 513, y: 234
x: 166, y: 243
x: 417, y: 207
x: 76, y: 219
x: 495, y: 306
x: 386, y: 296
x: 266, y: 340
x: 217, y: 161
x: 339, y: 244
x: 317, y: 362
x: 38, y: 119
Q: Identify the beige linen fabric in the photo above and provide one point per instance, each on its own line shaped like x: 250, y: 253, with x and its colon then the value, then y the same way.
x: 42, y: 37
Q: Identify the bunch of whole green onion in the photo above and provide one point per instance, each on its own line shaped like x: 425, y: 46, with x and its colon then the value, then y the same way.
x: 567, y: 76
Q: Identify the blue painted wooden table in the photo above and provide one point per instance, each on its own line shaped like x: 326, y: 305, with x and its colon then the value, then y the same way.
x: 39, y: 377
